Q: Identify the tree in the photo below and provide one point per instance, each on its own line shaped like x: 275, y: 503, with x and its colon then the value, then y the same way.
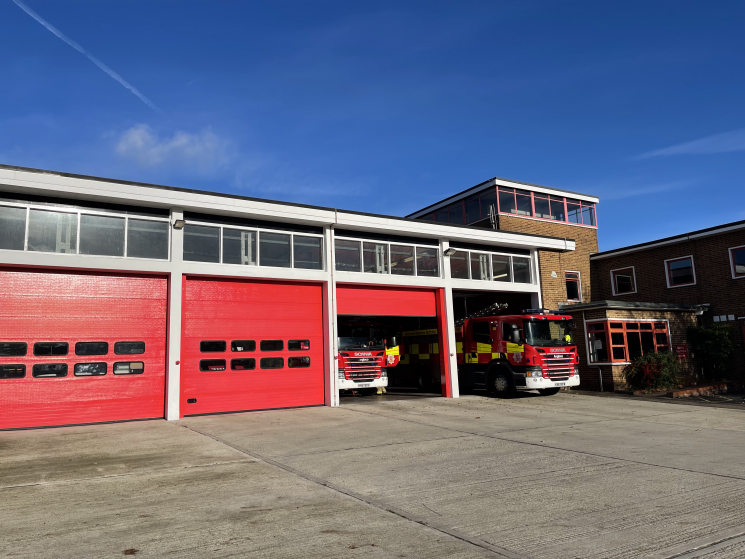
x: 712, y: 347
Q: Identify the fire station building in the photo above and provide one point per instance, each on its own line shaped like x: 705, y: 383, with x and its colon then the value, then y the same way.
x: 122, y: 300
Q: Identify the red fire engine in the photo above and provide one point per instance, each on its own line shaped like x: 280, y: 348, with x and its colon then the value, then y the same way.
x: 502, y: 353
x: 365, y: 355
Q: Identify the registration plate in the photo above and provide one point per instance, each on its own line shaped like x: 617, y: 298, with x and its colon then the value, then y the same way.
x: 363, y: 386
x: 560, y: 384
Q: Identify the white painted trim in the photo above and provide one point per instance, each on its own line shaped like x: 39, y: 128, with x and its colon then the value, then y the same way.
x: 681, y: 239
x: 732, y: 261
x: 613, y: 282
x: 579, y: 281
x: 667, y: 274
x: 175, y: 300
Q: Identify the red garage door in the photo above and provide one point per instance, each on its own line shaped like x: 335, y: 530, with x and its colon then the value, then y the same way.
x: 391, y: 301
x: 249, y: 345
x: 81, y: 348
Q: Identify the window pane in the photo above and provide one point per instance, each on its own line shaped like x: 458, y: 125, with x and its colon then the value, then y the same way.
x: 102, y: 235
x: 402, y: 260
x: 427, y: 262
x: 660, y: 325
x: 624, y: 282
x: 442, y: 216
x: 212, y: 365
x: 243, y: 345
x: 681, y: 271
x: 272, y: 363
x: 598, y: 347
x: 129, y: 368
x: 272, y: 345
x: 147, y: 239
x: 293, y: 362
x: 49, y: 370
x: 647, y: 342
x: 521, y: 270
x: 632, y: 326
x: 542, y: 208
x: 524, y: 204
x: 501, y: 269
x: 575, y: 211
x: 51, y: 348
x: 738, y: 258
x: 557, y: 209
x: 212, y: 346
x: 479, y: 266
x: 89, y: 369
x: 307, y: 252
x: 487, y: 201
x: 52, y: 231
x: 13, y: 371
x: 239, y: 247
x: 661, y: 338
x: 645, y: 326
x: 617, y: 338
x: 274, y: 249
x: 12, y: 228
x: 375, y: 258
x: 347, y: 255
x: 455, y: 214
x: 619, y: 353
x: 634, y: 345
x: 572, y: 281
x: 298, y: 345
x: 588, y: 215
x: 91, y: 348
x: 201, y: 244
x: 616, y: 324
x: 459, y: 265
x: 13, y: 349
x: 472, y: 210
x: 507, y: 201
x: 243, y: 364
x: 129, y: 348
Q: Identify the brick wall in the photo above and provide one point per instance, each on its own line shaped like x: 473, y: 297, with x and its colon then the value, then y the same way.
x: 613, y: 378
x: 553, y: 290
x: 714, y: 283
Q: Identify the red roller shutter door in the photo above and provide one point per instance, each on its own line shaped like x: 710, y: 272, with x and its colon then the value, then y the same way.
x: 43, y: 307
x: 379, y: 301
x: 251, y: 311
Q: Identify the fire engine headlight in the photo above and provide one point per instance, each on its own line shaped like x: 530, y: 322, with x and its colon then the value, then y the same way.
x: 534, y: 372
x: 383, y: 373
x: 341, y: 373
x: 576, y: 370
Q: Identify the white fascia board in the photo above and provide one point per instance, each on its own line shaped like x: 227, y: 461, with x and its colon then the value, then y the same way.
x: 508, y: 184
x: 104, y: 191
x: 429, y: 229
x: 84, y: 262
x: 254, y: 272
x: 49, y: 184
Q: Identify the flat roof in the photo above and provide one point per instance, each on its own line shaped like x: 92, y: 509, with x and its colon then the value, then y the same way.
x: 503, y: 182
x: 630, y: 306
x: 716, y: 230
x: 218, y: 203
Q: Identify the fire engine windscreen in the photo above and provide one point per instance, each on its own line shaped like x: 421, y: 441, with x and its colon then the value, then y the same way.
x: 547, y: 333
x: 361, y: 338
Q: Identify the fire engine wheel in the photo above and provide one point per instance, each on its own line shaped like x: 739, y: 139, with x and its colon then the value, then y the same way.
x: 424, y: 381
x: 500, y: 384
x: 548, y: 391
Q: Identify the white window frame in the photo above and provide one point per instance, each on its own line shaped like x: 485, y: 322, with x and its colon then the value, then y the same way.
x: 93, y: 212
x: 732, y: 261
x: 258, y: 231
x: 389, y: 243
x: 579, y: 282
x: 633, y: 277
x: 667, y: 271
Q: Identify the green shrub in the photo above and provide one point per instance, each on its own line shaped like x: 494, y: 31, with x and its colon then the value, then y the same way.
x: 711, y: 347
x: 654, y: 370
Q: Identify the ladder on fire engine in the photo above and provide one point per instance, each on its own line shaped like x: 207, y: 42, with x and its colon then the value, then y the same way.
x: 490, y: 310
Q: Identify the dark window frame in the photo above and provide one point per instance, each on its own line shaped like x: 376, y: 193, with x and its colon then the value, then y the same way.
x: 301, y: 359
x: 6, y: 368
x: 117, y: 348
x: 105, y: 369
x: 66, y: 344
x: 248, y: 343
x: 576, y: 278
x: 141, y: 370
x: 40, y: 366
x: 668, y: 271
x: 203, y: 342
x: 210, y: 365
x: 25, y: 349
x: 262, y: 342
x: 79, y: 343
x: 268, y: 359
x: 251, y: 360
x: 739, y: 250
x: 618, y: 272
x: 290, y: 348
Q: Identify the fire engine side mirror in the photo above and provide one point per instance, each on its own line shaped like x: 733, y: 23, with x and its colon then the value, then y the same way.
x: 392, y: 341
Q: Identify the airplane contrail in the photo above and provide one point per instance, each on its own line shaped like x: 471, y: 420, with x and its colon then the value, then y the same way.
x: 92, y: 58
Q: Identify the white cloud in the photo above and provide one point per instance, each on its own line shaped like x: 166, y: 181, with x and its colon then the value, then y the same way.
x: 204, y: 152
x: 718, y: 143
x: 629, y: 190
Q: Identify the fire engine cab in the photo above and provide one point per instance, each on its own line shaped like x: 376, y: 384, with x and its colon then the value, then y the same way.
x: 532, y: 350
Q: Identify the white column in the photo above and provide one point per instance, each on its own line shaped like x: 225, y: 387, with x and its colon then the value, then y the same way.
x: 450, y: 320
x: 173, y: 369
x: 331, y: 366
x: 536, y: 299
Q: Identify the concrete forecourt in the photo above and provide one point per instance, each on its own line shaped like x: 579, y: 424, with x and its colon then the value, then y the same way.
x: 399, y: 476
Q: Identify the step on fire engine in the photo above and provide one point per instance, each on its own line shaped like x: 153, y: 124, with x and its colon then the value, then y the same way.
x: 502, y: 353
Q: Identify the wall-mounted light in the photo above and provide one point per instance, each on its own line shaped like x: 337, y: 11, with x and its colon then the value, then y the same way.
x: 179, y: 224
x: 449, y: 251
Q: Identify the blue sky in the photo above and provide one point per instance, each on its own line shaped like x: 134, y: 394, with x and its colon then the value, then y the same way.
x: 387, y: 107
